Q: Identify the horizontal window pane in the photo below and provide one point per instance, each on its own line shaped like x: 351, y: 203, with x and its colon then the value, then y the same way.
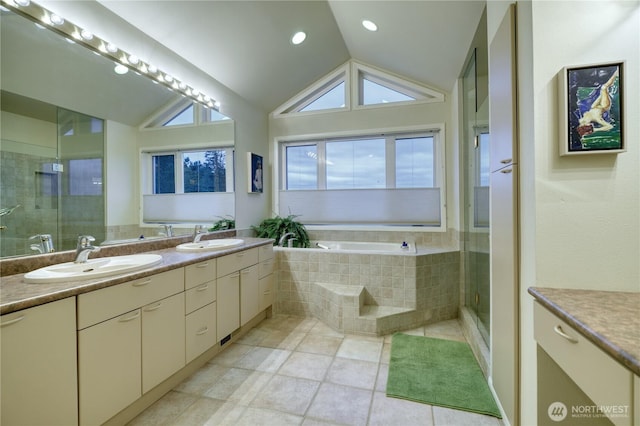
x: 415, y: 162
x: 164, y: 174
x: 356, y: 164
x: 302, y: 167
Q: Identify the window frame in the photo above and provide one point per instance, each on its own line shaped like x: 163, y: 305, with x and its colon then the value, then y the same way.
x: 435, y: 130
x: 147, y: 169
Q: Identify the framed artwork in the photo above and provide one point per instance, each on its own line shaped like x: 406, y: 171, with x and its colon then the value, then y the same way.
x: 256, y: 181
x: 592, y: 108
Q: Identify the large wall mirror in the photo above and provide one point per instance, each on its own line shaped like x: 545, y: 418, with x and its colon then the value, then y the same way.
x: 58, y: 102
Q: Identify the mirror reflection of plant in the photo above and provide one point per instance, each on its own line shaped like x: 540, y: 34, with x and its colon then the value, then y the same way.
x: 223, y: 223
x: 278, y: 226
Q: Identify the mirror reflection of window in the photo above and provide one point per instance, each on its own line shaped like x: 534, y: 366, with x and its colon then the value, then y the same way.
x: 164, y: 174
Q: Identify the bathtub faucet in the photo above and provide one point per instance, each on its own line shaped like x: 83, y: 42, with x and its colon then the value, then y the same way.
x: 284, y: 237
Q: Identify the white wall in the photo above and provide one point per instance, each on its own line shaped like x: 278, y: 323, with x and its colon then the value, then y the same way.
x: 24, y: 134
x: 121, y: 170
x: 580, y: 215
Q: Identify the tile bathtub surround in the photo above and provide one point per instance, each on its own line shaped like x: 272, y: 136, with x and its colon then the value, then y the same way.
x: 368, y: 293
x: 297, y: 371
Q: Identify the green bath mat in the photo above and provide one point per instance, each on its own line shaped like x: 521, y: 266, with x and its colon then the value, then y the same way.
x: 438, y: 372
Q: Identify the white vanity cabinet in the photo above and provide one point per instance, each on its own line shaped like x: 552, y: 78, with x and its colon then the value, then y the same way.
x: 249, y: 294
x: 594, y: 373
x: 265, y: 276
x: 38, y: 365
x: 201, y: 307
x: 121, y: 329
x: 163, y: 334
x: 231, y: 269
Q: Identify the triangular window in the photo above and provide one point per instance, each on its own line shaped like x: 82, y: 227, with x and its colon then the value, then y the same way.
x: 355, y: 85
x: 374, y: 93
x: 376, y: 87
x: 329, y: 93
x: 183, y: 117
x: 334, y: 98
x: 215, y: 115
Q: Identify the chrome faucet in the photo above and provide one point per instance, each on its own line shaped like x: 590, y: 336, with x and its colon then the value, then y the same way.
x: 84, y: 247
x: 168, y: 230
x: 284, y: 237
x: 44, y: 244
x: 199, y: 232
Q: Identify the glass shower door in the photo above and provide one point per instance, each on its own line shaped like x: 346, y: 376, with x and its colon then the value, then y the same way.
x: 475, y: 152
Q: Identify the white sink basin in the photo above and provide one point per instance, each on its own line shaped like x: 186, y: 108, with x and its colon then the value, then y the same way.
x: 209, y: 245
x: 93, y: 268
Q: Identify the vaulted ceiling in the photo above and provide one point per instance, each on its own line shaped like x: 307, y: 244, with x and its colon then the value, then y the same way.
x: 246, y: 45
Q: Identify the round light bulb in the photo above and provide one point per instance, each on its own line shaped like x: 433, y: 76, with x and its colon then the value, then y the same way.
x: 87, y: 35
x: 133, y: 59
x: 121, y: 69
x: 112, y: 48
x: 56, y: 19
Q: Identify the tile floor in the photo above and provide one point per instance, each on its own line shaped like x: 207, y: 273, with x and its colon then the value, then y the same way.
x: 298, y: 371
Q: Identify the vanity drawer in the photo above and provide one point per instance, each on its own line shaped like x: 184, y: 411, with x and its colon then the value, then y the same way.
x: 109, y: 302
x: 236, y: 261
x: 266, y: 268
x: 199, y: 296
x: 199, y: 273
x: 599, y: 376
x: 265, y: 252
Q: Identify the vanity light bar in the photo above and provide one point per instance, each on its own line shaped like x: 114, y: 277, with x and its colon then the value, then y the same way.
x: 72, y: 32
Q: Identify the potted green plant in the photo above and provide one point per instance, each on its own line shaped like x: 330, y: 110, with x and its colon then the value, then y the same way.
x: 278, y: 226
x: 223, y: 223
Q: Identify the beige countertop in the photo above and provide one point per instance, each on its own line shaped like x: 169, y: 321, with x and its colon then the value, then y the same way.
x: 15, y: 294
x: 609, y: 319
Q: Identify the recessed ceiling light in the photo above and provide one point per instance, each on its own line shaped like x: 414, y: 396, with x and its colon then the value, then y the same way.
x: 370, y: 25
x: 298, y: 37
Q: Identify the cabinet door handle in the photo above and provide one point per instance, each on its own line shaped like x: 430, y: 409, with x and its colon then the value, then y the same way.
x: 203, y: 287
x: 506, y: 160
x: 153, y: 308
x: 558, y: 329
x: 240, y: 254
x: 141, y: 283
x: 13, y: 321
x: 245, y: 272
x: 506, y: 171
x: 131, y: 318
x: 202, y: 331
x: 236, y: 275
x: 202, y: 265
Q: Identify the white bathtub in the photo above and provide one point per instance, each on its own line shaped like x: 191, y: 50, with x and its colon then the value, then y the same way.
x: 364, y: 247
